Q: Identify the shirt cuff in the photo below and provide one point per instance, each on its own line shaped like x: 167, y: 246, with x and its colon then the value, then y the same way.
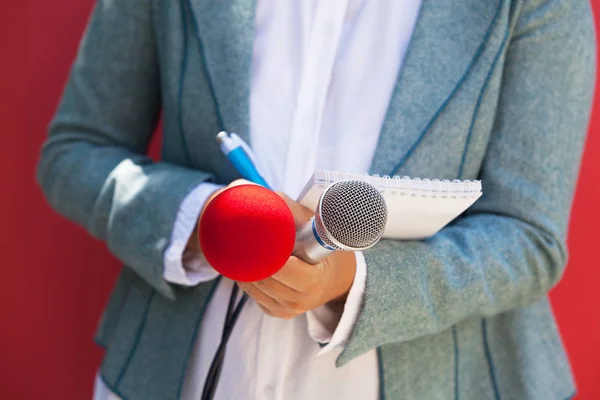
x: 325, y: 325
x: 188, y: 268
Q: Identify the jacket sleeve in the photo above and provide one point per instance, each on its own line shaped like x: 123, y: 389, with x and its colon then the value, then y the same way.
x: 509, y: 249
x: 93, y: 168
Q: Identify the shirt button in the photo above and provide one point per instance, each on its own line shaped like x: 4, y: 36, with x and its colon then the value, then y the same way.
x: 269, y: 392
x: 327, y: 28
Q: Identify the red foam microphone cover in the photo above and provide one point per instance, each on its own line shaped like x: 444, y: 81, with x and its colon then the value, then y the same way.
x: 247, y: 233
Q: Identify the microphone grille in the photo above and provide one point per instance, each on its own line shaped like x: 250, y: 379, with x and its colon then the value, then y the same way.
x: 354, y: 214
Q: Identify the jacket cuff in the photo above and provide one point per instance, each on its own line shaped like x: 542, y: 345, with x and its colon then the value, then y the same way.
x: 331, y: 325
x: 187, y: 267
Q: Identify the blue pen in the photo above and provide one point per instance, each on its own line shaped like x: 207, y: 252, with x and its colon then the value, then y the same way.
x: 234, y: 148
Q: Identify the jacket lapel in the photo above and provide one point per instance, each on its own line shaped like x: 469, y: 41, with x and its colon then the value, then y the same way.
x: 447, y: 40
x: 226, y: 35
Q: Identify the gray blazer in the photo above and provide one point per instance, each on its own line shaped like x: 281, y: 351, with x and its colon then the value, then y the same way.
x: 497, y: 90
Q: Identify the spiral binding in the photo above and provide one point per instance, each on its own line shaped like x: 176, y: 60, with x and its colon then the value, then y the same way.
x: 406, y: 186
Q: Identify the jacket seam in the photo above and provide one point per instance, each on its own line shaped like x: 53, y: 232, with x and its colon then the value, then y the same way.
x: 112, y: 389
x: 182, y: 74
x: 488, y: 356
x: 456, y: 362
x: 136, y: 341
x: 476, y: 57
x: 480, y: 101
x: 380, y: 373
x: 195, y: 334
x: 205, y: 68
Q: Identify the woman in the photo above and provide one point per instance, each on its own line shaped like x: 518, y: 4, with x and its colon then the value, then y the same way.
x: 497, y: 90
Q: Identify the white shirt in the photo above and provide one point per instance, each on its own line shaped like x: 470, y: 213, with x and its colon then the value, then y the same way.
x: 323, y: 73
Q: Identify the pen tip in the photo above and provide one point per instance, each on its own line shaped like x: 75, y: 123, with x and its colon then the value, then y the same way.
x: 221, y: 135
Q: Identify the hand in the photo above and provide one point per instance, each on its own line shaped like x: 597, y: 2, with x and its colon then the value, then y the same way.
x: 193, y: 244
x: 299, y: 287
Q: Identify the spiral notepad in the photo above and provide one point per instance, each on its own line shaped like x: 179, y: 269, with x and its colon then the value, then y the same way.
x: 417, y: 208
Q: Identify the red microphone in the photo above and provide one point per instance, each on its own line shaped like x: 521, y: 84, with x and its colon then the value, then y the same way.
x: 247, y: 233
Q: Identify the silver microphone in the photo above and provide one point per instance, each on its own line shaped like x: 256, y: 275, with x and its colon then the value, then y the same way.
x: 351, y: 215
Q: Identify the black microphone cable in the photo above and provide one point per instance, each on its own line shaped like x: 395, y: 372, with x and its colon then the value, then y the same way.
x: 214, y: 372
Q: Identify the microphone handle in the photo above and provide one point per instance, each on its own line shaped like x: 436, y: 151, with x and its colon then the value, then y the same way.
x: 309, y: 247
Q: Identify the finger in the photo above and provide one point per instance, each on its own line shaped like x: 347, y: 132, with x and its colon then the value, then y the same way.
x: 258, y: 296
x: 283, y: 314
x: 239, y: 182
x: 279, y: 292
x: 266, y: 310
x: 299, y: 275
x: 266, y: 303
x: 301, y: 214
x: 290, y: 299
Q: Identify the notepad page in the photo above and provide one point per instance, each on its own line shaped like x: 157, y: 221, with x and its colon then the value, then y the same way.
x: 415, y: 217
x: 417, y: 209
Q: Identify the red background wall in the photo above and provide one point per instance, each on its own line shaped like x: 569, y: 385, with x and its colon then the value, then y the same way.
x: 54, y: 279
